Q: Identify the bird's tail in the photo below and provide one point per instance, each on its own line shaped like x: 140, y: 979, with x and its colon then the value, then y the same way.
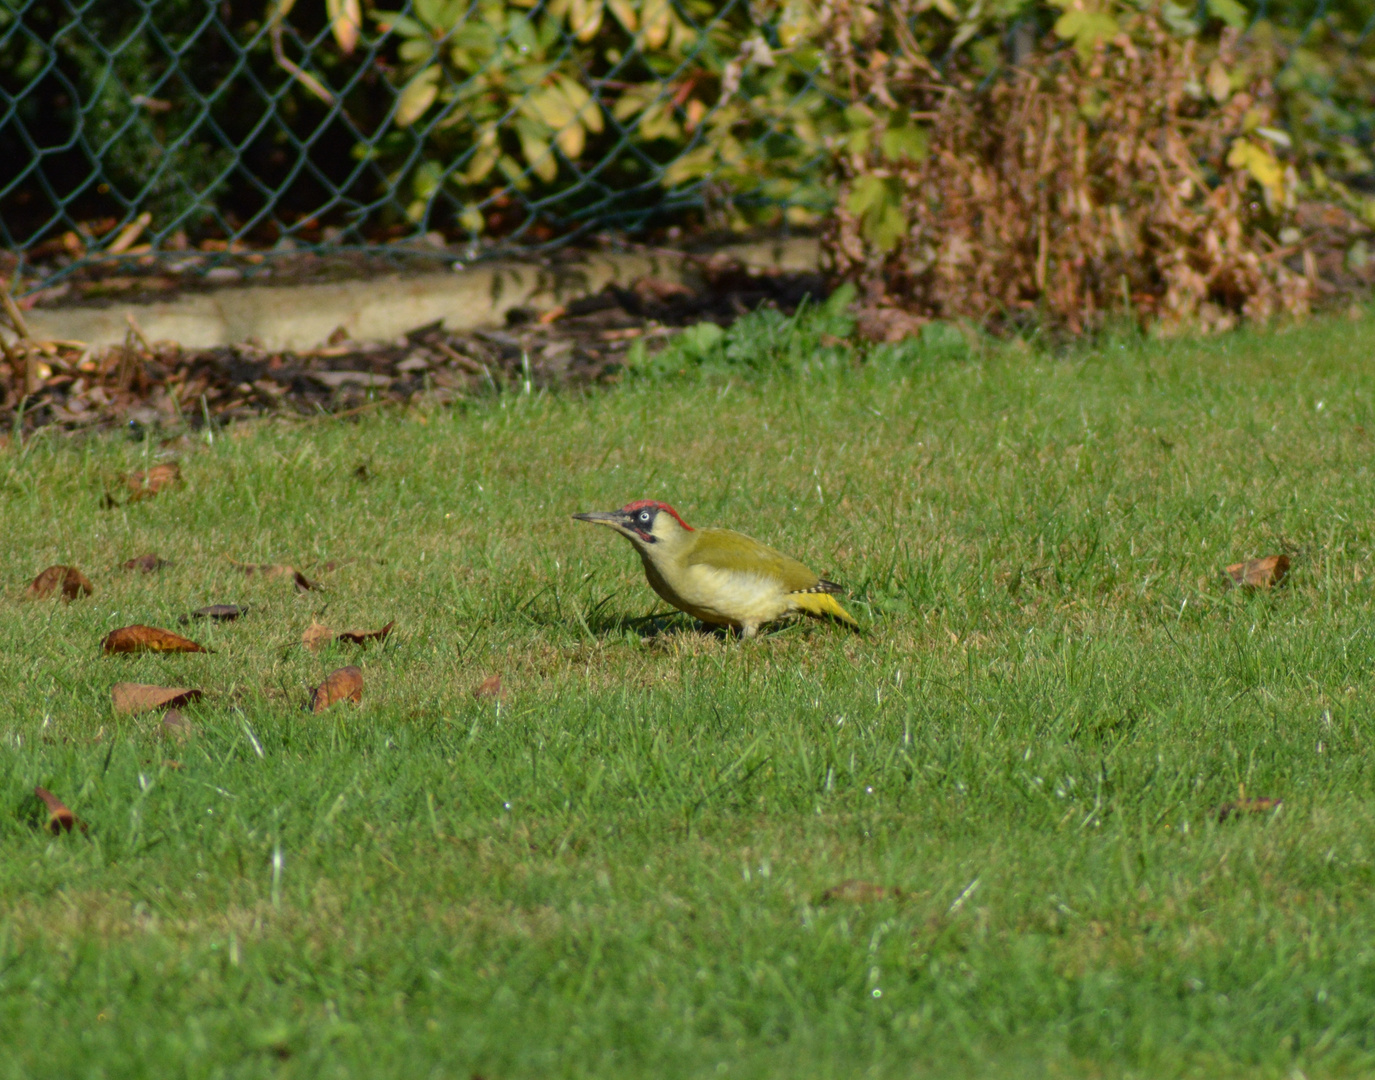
x: 823, y: 605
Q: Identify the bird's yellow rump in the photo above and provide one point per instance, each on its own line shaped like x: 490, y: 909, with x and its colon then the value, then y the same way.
x: 718, y: 575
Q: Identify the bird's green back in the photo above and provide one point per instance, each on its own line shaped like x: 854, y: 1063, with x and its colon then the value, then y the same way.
x: 726, y: 549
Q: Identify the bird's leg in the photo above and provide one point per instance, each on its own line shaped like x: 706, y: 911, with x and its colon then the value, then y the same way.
x: 748, y: 630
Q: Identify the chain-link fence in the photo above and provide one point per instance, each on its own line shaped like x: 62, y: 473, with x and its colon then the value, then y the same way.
x: 185, y: 128
x: 183, y: 133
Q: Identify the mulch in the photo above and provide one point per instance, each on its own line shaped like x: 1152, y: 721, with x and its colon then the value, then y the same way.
x: 158, y: 384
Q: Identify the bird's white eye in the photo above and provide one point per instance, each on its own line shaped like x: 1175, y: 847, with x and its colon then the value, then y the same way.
x: 644, y: 515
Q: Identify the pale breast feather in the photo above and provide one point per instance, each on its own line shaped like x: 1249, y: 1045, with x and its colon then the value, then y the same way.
x: 734, y: 594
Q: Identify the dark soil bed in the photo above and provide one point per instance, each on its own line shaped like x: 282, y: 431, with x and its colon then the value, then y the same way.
x: 151, y: 385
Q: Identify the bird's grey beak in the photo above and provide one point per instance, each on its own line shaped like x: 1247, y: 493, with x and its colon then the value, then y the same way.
x: 614, y: 518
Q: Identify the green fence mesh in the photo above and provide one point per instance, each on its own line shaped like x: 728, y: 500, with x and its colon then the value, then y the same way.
x: 182, y: 133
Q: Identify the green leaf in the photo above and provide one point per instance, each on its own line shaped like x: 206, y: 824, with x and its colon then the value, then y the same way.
x: 905, y: 142
x: 656, y: 20
x: 572, y: 140
x: 417, y: 96
x: 839, y: 301
x: 1229, y: 11
x: 586, y: 111
x: 483, y: 161
x: 585, y: 18
x: 549, y: 107
x: 1086, y: 29
x: 634, y: 100
x: 534, y: 147
x: 397, y: 23
x: 701, y: 338
x: 868, y: 193
x: 1177, y: 18
x: 416, y: 50
x: 693, y: 165
x: 878, y: 204
x: 472, y: 220
x: 427, y: 179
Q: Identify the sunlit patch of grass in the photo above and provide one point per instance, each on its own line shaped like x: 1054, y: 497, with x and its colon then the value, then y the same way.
x: 618, y: 865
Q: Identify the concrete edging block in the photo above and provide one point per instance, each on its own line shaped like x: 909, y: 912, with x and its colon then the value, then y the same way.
x: 380, y: 309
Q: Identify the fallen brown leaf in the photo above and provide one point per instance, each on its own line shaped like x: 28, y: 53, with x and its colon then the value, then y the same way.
x: 888, y: 325
x: 1248, y: 806
x: 131, y: 697
x: 146, y: 483
x: 145, y: 563
x: 218, y: 612
x: 660, y: 289
x: 491, y: 688
x: 267, y: 570
x: 132, y: 639
x: 276, y: 570
x: 854, y: 891
x: 1259, y: 573
x: 176, y: 726
x: 317, y: 635
x: 60, y: 819
x: 360, y: 637
x: 345, y: 684
x: 71, y: 581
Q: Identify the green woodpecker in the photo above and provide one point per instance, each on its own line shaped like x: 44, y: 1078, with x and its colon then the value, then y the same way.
x: 718, y: 575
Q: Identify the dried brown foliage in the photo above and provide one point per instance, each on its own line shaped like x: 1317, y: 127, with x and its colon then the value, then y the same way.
x: 855, y: 891
x: 138, y: 638
x: 141, y: 697
x: 276, y: 570
x: 1244, y: 805
x: 1128, y: 180
x: 345, y: 684
x: 70, y: 582
x: 491, y: 687
x: 583, y: 343
x: 362, y: 637
x: 1263, y: 573
x: 316, y: 636
x: 146, y: 483
x: 175, y: 726
x: 60, y: 819
x: 145, y: 564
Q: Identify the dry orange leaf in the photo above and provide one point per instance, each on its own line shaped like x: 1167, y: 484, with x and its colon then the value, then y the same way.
x: 345, y: 684
x: 60, y: 819
x: 146, y: 483
x: 360, y: 637
x: 1248, y: 806
x: 317, y: 635
x: 140, y: 697
x: 275, y: 570
x: 71, y: 581
x: 176, y: 726
x: 132, y: 639
x: 145, y: 563
x: 1259, y: 573
x: 490, y: 687
x: 854, y: 891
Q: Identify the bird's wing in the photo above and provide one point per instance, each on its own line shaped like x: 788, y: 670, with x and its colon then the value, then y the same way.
x: 725, y: 549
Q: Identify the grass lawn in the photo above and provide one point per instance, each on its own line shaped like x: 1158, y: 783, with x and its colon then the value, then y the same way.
x: 617, y: 867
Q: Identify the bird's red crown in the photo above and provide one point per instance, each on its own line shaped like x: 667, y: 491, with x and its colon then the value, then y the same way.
x: 630, y: 508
